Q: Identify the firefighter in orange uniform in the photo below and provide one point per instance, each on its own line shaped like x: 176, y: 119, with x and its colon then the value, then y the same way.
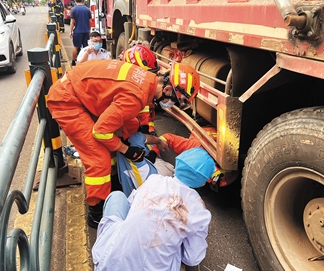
x: 142, y: 56
x: 180, y: 144
x: 96, y: 104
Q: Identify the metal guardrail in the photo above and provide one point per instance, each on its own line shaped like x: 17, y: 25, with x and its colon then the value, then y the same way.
x: 34, y: 254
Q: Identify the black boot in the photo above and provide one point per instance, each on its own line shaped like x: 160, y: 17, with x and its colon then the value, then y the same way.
x: 95, y: 214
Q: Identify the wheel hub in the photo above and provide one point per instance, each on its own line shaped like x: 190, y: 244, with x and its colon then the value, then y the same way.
x: 314, y: 223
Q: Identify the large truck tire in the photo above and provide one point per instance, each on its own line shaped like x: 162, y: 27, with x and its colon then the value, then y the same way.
x: 120, y: 47
x: 283, y: 192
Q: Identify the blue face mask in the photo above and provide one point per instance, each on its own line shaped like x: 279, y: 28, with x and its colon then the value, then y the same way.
x: 168, y: 104
x: 96, y: 46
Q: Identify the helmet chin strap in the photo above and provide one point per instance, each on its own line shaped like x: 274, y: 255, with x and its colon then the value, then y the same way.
x: 165, y: 97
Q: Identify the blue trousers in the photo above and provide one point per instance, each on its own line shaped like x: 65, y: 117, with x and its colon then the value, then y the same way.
x: 116, y: 204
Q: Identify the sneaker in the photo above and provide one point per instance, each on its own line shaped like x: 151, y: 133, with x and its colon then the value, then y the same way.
x: 95, y: 215
x: 73, y: 63
x: 71, y: 152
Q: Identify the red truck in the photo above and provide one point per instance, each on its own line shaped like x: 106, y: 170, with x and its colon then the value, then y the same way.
x: 261, y: 65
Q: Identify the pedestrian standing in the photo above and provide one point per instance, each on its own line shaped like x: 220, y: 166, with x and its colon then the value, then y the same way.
x: 161, y: 224
x: 94, y: 50
x: 59, y: 12
x: 80, y: 28
x: 96, y: 104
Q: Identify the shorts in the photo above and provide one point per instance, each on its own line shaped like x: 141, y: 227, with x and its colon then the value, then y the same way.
x: 80, y: 39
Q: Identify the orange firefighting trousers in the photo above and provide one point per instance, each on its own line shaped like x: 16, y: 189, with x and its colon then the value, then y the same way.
x: 78, y: 123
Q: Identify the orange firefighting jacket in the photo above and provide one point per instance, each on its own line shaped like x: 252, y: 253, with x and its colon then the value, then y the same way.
x: 114, y: 91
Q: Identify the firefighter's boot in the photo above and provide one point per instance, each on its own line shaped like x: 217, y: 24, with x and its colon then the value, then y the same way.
x: 95, y: 215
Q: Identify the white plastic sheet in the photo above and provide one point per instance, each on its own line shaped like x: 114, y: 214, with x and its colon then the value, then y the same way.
x: 230, y: 267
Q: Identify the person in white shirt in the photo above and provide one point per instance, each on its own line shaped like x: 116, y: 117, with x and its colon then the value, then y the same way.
x: 94, y: 50
x: 161, y: 224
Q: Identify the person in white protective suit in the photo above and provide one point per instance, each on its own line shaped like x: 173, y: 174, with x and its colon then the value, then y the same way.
x: 161, y: 224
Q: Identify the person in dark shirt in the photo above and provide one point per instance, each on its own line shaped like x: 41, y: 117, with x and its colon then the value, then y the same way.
x: 80, y: 28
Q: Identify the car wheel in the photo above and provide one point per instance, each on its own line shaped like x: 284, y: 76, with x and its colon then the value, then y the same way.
x: 21, y: 52
x: 13, y: 67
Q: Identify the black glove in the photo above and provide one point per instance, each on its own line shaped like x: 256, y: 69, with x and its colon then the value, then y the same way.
x: 151, y: 156
x: 145, y: 129
x: 125, y: 141
x: 153, y: 133
x: 135, y: 154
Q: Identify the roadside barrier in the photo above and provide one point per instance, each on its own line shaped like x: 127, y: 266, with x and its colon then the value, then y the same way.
x: 35, y: 253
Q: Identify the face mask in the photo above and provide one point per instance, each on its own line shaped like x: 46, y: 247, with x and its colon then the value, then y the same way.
x: 97, y: 46
x: 168, y: 104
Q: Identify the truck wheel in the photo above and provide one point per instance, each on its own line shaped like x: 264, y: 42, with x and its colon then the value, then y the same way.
x: 283, y: 192
x: 120, y: 44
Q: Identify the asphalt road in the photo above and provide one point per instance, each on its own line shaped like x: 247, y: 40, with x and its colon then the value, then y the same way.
x: 227, y: 239
x: 12, y: 91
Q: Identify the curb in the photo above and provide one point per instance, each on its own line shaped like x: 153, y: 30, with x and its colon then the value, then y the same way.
x: 78, y: 252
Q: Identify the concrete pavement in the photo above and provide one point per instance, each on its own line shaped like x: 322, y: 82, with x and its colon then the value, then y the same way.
x: 77, y: 232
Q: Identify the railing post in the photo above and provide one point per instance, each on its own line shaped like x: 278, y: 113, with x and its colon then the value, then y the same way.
x: 50, y: 14
x: 53, y: 19
x: 52, y: 29
x: 39, y: 60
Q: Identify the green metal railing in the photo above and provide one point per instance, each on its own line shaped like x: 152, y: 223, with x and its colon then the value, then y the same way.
x: 35, y: 253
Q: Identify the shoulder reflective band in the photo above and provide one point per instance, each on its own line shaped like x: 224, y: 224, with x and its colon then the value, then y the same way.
x: 123, y: 71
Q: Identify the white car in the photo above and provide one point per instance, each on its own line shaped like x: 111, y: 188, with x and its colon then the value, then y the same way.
x: 10, y: 41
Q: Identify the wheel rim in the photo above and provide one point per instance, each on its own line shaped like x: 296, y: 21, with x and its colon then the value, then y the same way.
x: 285, y: 200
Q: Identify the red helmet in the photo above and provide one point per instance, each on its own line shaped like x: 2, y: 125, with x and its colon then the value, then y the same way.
x: 185, y: 80
x: 141, y: 56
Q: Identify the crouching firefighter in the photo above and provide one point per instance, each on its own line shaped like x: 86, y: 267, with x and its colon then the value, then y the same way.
x: 98, y: 99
